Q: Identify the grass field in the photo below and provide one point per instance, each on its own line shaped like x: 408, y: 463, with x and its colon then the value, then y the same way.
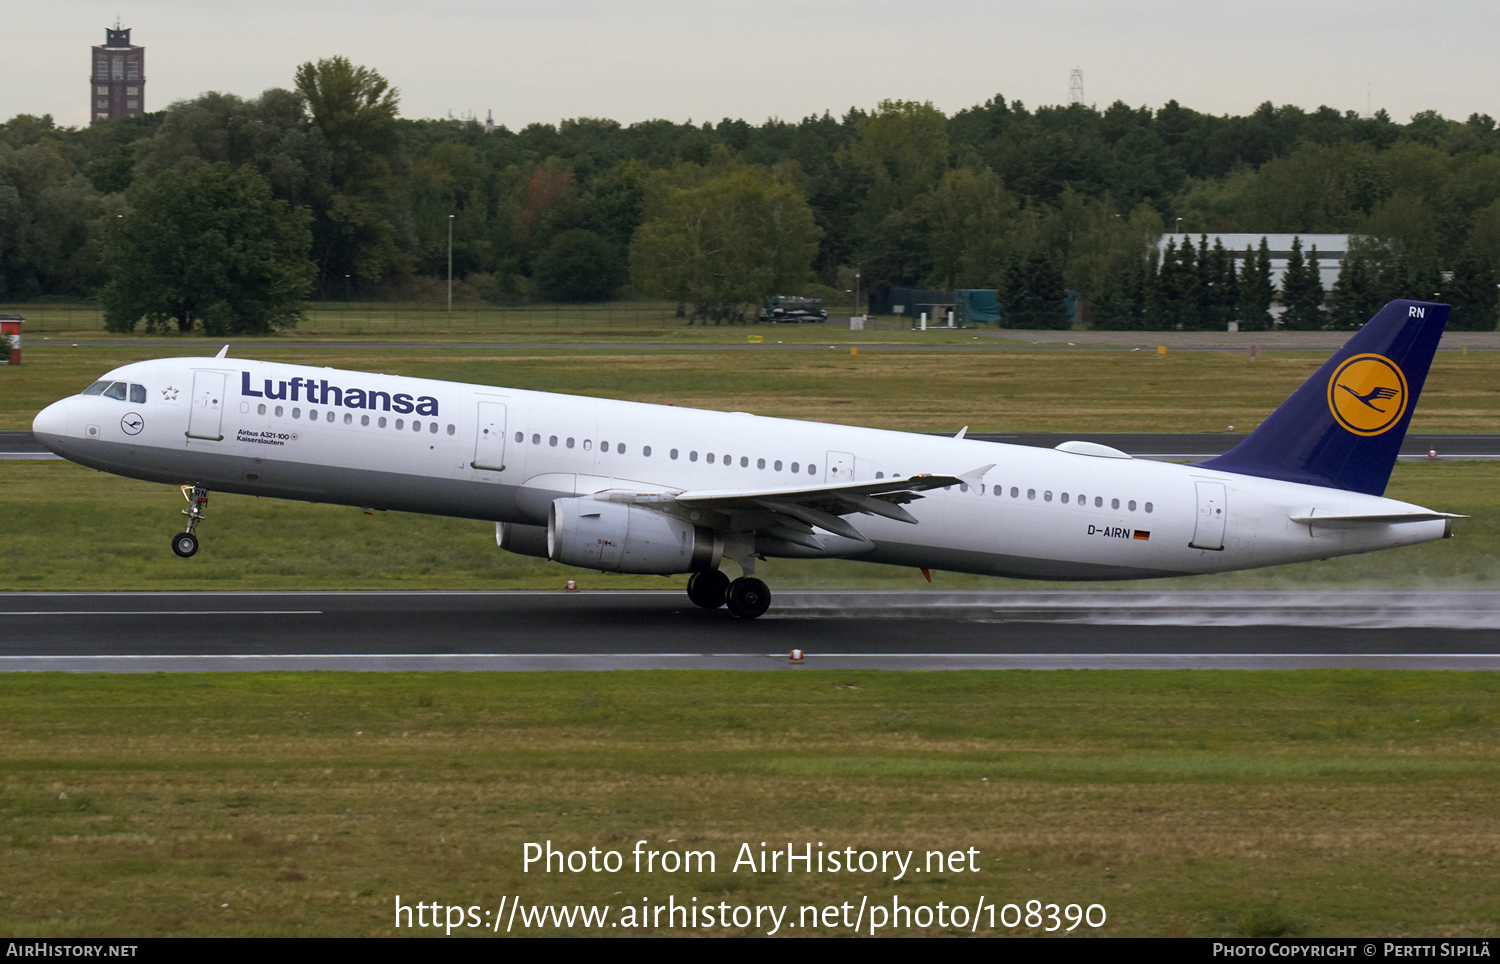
x: 990, y: 391
x: 1186, y: 803
x: 1190, y: 803
x: 74, y: 528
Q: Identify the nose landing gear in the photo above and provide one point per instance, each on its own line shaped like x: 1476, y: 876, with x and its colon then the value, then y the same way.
x: 185, y: 544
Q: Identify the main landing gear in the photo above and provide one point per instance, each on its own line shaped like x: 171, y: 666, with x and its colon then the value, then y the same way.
x: 185, y: 544
x: 746, y: 597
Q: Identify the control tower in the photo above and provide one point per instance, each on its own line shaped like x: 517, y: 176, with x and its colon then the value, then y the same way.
x: 117, y: 83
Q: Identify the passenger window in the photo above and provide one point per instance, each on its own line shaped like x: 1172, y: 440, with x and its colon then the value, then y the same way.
x: 692, y: 456
x: 999, y: 490
x: 400, y: 422
x: 260, y: 409
x: 710, y: 458
x: 95, y: 389
x: 646, y: 451
x: 587, y: 445
x: 1098, y: 501
x: 536, y: 440
x: 416, y: 426
x: 604, y: 446
x: 1047, y: 496
x: 1114, y: 503
x: 963, y: 487
x: 365, y: 420
x: 348, y: 418
x: 673, y: 453
x: 619, y: 448
x: 1015, y: 493
x: 520, y: 437
x: 116, y: 390
x: 330, y: 417
x: 570, y: 443
x: 432, y: 427
x: 552, y: 441
x: 812, y: 469
x: 1132, y: 505
x: 1065, y: 498
x: 138, y: 394
x: 776, y: 465
x: 760, y: 463
x: 279, y: 410
x: 1148, y: 507
x: 744, y: 462
x: 452, y: 429
x: 879, y: 475
x: 796, y: 468
x: 296, y: 413
x: 381, y: 422
x: 1031, y: 493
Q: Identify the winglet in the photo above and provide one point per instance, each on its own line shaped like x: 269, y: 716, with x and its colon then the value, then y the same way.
x: 222, y: 352
x: 961, y: 432
x: 974, y: 476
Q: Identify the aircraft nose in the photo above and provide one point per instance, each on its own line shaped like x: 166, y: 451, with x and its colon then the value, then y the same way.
x: 51, y: 424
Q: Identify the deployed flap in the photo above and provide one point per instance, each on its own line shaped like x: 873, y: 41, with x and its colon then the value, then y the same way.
x: 835, y: 500
x: 1362, y: 521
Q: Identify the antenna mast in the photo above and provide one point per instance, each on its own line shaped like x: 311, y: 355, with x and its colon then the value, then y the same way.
x: 1075, y: 86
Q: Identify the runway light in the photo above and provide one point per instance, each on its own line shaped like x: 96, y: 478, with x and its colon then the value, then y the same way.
x: 796, y: 655
x: 1432, y: 453
x: 570, y: 586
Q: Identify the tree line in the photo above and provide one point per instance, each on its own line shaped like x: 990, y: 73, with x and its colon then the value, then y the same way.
x: 322, y: 190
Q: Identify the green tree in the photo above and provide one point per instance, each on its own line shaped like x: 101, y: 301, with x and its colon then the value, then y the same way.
x: 1302, y: 291
x: 578, y: 266
x: 355, y: 218
x: 1472, y: 293
x: 1034, y: 296
x: 729, y: 241
x: 1357, y: 295
x: 207, y: 247
x: 1255, y: 291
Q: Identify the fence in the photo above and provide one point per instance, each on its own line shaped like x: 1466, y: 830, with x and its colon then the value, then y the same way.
x: 387, y: 318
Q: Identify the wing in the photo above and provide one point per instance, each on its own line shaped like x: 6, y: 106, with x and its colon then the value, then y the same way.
x: 792, y: 513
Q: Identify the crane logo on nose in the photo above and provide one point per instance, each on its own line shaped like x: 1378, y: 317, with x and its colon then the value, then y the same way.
x: 132, y: 424
x: 1367, y: 394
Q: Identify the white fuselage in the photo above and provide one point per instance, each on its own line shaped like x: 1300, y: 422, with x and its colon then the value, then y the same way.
x: 504, y: 455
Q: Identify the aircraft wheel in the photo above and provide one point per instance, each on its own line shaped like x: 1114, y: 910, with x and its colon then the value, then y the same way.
x: 748, y: 597
x: 707, y: 589
x: 184, y: 544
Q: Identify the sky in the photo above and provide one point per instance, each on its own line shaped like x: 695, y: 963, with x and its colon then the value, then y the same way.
x: 634, y: 60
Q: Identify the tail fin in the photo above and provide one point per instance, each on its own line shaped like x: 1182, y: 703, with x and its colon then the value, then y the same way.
x: 1343, y: 428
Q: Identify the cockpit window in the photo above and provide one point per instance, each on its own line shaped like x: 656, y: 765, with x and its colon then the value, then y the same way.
x: 115, y: 390
x: 96, y: 389
x: 138, y: 394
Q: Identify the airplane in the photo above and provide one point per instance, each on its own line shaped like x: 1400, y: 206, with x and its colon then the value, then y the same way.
x: 636, y: 488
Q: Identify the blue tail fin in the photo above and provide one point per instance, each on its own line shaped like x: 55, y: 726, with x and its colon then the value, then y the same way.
x: 1343, y: 428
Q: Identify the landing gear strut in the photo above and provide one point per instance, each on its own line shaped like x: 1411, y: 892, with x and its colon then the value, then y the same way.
x: 185, y: 544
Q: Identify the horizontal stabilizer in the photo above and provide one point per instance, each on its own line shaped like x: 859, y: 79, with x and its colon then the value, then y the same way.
x: 1364, y: 521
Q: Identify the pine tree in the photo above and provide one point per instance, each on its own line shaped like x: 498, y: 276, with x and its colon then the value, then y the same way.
x: 1472, y: 293
x: 1302, y: 291
x: 1255, y: 290
x: 1357, y: 294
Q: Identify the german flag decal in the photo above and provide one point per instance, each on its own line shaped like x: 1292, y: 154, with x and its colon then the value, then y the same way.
x: 1142, y: 535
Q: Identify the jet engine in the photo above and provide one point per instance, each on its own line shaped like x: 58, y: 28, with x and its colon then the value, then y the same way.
x: 522, y: 539
x: 616, y: 537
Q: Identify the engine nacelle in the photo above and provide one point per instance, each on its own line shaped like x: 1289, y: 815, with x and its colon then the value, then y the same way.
x: 522, y: 539
x: 615, y: 537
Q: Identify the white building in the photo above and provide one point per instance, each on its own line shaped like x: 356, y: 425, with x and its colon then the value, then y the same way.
x: 1331, y: 250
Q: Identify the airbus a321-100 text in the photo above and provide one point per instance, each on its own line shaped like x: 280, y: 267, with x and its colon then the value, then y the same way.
x: 627, y: 487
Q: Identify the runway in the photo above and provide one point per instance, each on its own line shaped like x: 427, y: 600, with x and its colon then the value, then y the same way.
x: 429, y: 631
